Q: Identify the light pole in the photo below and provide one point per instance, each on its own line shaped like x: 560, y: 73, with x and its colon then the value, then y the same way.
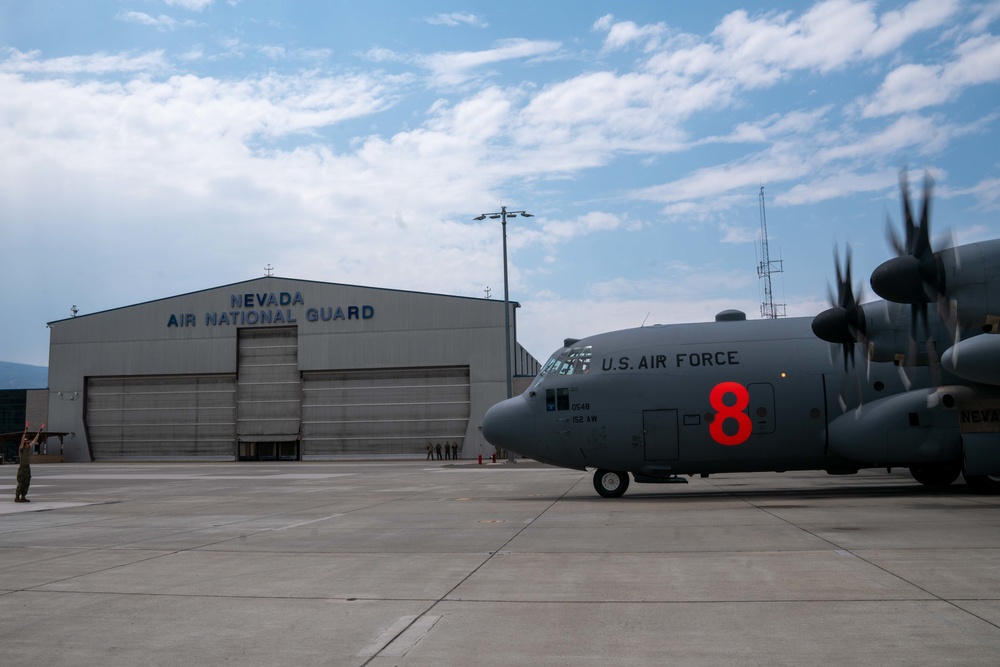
x: 502, y: 215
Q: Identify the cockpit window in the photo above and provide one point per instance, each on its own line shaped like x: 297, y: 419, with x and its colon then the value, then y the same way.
x: 568, y: 361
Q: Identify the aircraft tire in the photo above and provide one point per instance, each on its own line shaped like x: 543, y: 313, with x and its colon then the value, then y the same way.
x: 939, y: 477
x: 984, y: 483
x: 610, y: 483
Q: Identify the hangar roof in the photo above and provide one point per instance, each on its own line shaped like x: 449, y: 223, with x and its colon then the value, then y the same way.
x: 269, y: 278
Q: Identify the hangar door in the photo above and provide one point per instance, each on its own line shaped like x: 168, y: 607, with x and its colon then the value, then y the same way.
x: 161, y: 416
x: 268, y: 393
x: 387, y: 412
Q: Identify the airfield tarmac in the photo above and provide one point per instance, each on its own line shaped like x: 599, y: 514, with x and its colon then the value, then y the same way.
x: 416, y: 563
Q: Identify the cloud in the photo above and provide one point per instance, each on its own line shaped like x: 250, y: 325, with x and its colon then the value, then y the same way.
x: 453, y: 68
x: 986, y: 192
x: 772, y: 128
x: 193, y: 5
x: 774, y: 165
x: 685, y: 74
x: 100, y: 63
x: 277, y: 52
x: 142, y: 164
x: 555, y: 232
x: 624, y: 33
x: 583, y: 120
x: 161, y: 22
x: 845, y: 159
x: 738, y: 234
x: 185, y: 133
x: 896, y: 26
x: 380, y: 55
x: 828, y: 35
x: 752, y: 52
x: 836, y: 185
x: 454, y: 19
x: 911, y: 87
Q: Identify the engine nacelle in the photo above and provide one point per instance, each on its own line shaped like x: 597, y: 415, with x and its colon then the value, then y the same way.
x: 919, y: 426
x: 976, y: 359
x: 889, y: 332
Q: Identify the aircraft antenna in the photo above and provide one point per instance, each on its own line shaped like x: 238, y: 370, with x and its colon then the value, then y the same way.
x: 768, y: 308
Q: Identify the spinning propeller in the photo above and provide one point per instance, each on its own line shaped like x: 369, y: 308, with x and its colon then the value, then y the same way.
x: 916, y: 276
x: 844, y: 324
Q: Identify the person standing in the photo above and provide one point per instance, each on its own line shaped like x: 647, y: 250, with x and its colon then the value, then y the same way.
x: 24, y: 465
x: 430, y: 451
x: 438, y: 448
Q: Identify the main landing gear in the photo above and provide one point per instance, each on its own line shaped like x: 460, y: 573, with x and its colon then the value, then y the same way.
x: 935, y: 476
x: 610, y: 483
x: 984, y: 483
x: 942, y: 477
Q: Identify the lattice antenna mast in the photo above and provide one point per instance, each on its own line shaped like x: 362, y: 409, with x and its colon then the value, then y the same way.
x: 768, y: 308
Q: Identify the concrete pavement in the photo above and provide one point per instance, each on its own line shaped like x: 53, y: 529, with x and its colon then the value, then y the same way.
x: 411, y: 563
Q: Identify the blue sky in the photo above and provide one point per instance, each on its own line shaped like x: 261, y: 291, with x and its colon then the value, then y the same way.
x: 156, y: 147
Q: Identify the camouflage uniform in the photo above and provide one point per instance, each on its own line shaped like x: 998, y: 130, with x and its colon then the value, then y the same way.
x: 23, y: 475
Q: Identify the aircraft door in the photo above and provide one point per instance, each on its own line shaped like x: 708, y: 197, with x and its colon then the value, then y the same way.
x: 659, y: 429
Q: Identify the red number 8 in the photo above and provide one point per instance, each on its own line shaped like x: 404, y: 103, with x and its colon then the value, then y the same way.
x: 725, y: 412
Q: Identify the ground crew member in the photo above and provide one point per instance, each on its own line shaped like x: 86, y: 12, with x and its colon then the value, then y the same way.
x: 24, y: 467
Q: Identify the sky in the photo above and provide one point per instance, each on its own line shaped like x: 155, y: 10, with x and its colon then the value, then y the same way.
x: 150, y: 148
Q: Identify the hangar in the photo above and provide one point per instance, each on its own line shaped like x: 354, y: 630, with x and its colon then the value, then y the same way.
x: 280, y: 369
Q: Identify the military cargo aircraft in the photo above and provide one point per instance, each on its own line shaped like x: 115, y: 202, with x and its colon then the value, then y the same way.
x: 911, y: 381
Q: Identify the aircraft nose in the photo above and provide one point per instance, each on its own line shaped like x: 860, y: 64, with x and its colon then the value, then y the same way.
x: 509, y: 425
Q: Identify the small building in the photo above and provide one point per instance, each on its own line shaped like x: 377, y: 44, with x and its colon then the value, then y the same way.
x: 280, y: 369
x: 21, y: 409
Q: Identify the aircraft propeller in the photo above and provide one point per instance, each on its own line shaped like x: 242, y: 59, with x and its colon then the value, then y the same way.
x: 844, y: 324
x: 916, y: 276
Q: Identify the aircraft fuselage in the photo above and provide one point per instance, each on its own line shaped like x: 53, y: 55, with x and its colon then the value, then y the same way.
x: 730, y: 396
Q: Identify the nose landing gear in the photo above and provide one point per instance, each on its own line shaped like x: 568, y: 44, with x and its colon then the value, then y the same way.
x: 610, y: 483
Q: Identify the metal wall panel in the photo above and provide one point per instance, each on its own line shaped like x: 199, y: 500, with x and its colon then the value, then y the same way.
x: 387, y: 412
x: 161, y: 417
x: 269, y: 386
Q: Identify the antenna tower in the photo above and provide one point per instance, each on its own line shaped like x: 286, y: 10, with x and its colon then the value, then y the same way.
x: 768, y: 308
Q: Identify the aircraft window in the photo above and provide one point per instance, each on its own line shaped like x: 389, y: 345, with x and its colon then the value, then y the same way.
x: 556, y: 399
x: 575, y: 361
x: 549, y: 365
x: 562, y: 399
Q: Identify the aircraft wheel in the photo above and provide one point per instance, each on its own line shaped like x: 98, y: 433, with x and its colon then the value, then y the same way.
x: 984, y: 483
x: 610, y: 483
x: 939, y: 477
